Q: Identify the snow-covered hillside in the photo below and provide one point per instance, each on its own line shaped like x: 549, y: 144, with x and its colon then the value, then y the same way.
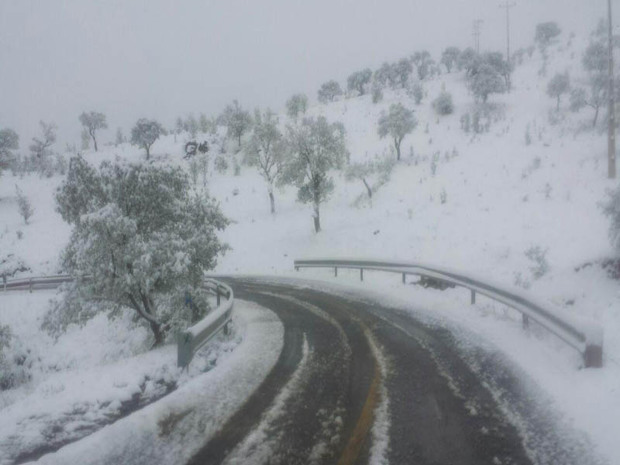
x: 520, y: 213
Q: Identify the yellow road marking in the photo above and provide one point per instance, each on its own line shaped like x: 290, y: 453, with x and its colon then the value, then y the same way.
x: 364, y: 423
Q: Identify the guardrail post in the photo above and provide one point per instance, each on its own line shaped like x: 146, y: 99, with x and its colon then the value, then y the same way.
x: 361, y: 274
x: 473, y: 297
x: 4, y: 281
x: 593, y: 356
x: 404, y: 277
x: 336, y: 271
x: 217, y: 293
x: 30, y: 287
x: 526, y: 321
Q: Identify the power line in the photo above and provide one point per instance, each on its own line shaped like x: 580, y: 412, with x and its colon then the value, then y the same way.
x: 507, y: 5
x: 611, y: 142
x: 476, y: 33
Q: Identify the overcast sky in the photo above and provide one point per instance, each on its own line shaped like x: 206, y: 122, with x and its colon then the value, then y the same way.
x: 165, y: 58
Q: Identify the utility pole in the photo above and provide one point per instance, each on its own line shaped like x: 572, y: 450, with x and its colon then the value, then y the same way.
x: 611, y: 142
x: 476, y: 33
x: 507, y: 5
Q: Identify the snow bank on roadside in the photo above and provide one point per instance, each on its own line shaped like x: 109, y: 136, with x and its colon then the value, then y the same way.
x: 173, y: 429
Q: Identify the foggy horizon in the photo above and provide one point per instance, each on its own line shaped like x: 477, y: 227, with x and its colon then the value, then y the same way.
x: 159, y: 59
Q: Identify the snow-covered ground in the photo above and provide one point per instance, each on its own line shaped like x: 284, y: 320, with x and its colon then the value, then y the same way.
x: 476, y: 203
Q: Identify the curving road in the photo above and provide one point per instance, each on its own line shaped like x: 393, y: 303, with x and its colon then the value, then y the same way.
x: 359, y: 383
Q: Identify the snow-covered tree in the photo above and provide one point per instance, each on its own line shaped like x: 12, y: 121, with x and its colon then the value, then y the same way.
x: 486, y: 81
x: 204, y: 123
x: 469, y: 61
x: 40, y: 146
x: 397, y: 123
x: 329, y: 91
x: 546, y: 33
x: 93, y: 121
x: 358, y: 81
x: 443, y: 104
x: 558, y: 86
x: 142, y: 239
x: 376, y: 91
x: 385, y: 75
x: 237, y: 121
x: 595, y: 62
x: 9, y: 141
x: 191, y: 125
x: 120, y: 137
x: 402, y: 70
x: 450, y: 57
x: 372, y: 173
x: 266, y: 151
x: 145, y: 133
x: 416, y: 92
x: 497, y: 61
x: 423, y: 62
x: 23, y: 205
x: 296, y: 105
x: 612, y: 209
x: 315, y: 147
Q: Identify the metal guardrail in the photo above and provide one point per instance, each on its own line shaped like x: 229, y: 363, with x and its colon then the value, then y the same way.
x: 188, y: 342
x: 193, y: 338
x: 584, y: 336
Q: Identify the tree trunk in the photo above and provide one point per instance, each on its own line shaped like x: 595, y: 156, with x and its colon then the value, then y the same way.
x: 317, y: 215
x: 95, y: 143
x: 158, y: 335
x: 397, y: 145
x: 272, y: 202
x: 595, y: 116
x: 317, y: 220
x: 367, y: 188
x: 148, y: 152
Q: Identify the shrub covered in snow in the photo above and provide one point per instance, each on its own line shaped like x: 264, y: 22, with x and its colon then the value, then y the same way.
x: 296, y: 105
x: 486, y: 81
x: 142, y: 238
x: 416, y: 92
x: 23, y: 204
x: 443, y: 104
x: 450, y: 57
x: 9, y: 141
